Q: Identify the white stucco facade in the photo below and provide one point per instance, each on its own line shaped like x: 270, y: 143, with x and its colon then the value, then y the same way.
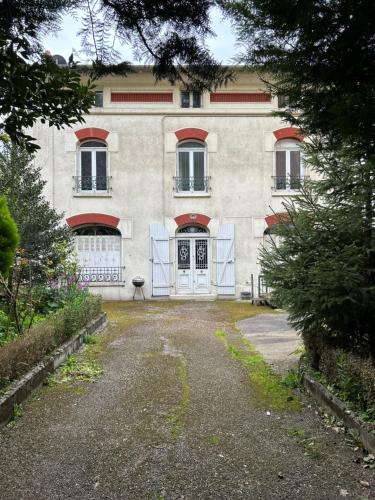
x: 141, y: 143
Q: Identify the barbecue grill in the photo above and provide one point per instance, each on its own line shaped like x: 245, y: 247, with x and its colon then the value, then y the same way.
x: 138, y: 283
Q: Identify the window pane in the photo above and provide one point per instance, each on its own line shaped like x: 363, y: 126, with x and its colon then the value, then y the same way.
x: 191, y: 144
x: 86, y: 171
x: 196, y: 99
x: 183, y: 171
x: 295, y: 170
x: 199, y: 171
x: 280, y: 170
x: 101, y: 170
x: 93, y: 144
x: 99, y: 99
x: 183, y: 254
x: 185, y: 99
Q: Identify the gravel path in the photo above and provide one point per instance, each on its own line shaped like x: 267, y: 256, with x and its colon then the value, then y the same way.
x: 173, y: 416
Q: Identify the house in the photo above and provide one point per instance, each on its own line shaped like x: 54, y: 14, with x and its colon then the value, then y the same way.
x: 176, y: 187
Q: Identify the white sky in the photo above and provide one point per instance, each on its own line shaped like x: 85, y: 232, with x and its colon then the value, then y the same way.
x: 222, y: 46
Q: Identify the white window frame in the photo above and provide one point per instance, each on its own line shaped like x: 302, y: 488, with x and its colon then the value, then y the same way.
x: 287, y: 146
x: 190, y: 150
x: 93, y: 150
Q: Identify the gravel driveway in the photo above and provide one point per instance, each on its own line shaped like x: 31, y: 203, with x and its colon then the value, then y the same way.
x: 175, y: 415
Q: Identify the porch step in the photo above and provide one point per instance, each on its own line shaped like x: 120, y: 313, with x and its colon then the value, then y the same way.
x: 207, y: 296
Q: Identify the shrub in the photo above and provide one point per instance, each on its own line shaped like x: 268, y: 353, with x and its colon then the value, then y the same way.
x: 24, y: 352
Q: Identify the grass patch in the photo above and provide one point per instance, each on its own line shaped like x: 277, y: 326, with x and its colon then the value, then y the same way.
x: 214, y: 440
x: 77, y: 368
x: 311, y: 446
x: 269, y: 391
x: 176, y: 418
x: 236, y: 311
x: 292, y: 379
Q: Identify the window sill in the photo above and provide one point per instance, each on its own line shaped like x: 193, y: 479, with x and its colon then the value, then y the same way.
x: 196, y: 194
x: 286, y: 192
x: 92, y: 195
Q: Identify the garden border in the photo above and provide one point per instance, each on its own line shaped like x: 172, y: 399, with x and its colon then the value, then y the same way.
x: 335, y: 406
x: 20, y: 389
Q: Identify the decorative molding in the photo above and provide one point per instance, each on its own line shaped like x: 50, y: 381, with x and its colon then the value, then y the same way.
x: 288, y: 133
x: 239, y: 97
x: 141, y: 97
x: 273, y: 219
x: 191, y: 133
x: 92, y: 133
x: 92, y: 218
x: 186, y: 219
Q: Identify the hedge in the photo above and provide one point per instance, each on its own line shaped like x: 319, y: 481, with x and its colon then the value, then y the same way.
x: 23, y: 353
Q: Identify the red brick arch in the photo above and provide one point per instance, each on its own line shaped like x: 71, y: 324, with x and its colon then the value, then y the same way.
x: 288, y: 133
x: 191, y: 133
x: 187, y: 219
x: 273, y: 219
x: 92, y: 133
x: 92, y: 218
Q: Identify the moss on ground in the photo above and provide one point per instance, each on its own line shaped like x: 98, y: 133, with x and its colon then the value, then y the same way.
x: 176, y: 418
x: 267, y: 387
x: 236, y: 311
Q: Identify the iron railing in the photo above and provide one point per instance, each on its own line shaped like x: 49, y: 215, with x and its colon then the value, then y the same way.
x: 93, y: 275
x: 288, y: 182
x: 192, y: 184
x: 90, y: 184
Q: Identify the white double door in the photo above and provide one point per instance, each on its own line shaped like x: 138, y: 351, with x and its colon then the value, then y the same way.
x: 193, y: 270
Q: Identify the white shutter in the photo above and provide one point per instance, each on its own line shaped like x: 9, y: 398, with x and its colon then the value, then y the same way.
x: 159, y: 246
x: 225, y: 260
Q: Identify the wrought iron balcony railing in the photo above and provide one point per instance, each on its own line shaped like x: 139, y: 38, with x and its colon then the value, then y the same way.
x: 94, y: 275
x: 192, y: 184
x: 89, y: 184
x: 288, y: 182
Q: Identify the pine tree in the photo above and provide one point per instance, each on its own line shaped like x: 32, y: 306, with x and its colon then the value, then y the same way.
x: 9, y: 237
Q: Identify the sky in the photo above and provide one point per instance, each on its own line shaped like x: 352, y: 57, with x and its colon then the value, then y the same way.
x: 223, y: 46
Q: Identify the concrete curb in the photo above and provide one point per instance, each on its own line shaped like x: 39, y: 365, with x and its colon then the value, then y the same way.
x: 337, y: 408
x: 20, y: 389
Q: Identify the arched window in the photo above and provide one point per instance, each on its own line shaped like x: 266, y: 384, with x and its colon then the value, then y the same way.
x: 98, y: 252
x: 289, y: 165
x: 191, y: 167
x: 92, y: 176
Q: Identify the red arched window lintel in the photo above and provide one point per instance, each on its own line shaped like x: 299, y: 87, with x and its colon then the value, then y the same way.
x: 186, y: 219
x: 92, y: 133
x: 191, y: 133
x: 92, y: 218
x: 288, y: 133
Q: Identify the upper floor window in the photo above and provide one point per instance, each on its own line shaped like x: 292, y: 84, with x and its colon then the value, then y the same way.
x: 191, y: 167
x: 92, y: 174
x: 98, y: 99
x: 289, y: 165
x: 191, y: 99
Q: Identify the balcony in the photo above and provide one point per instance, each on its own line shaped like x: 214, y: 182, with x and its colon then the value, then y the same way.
x: 288, y: 183
x: 188, y: 185
x: 92, y: 185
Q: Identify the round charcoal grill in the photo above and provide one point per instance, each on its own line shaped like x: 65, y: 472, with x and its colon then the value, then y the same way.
x: 138, y: 283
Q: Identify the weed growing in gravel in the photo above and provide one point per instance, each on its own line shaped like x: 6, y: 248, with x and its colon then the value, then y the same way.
x: 17, y: 410
x: 214, y: 440
x: 177, y: 416
x: 292, y: 379
x: 267, y: 387
x: 80, y: 369
x: 312, y: 448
